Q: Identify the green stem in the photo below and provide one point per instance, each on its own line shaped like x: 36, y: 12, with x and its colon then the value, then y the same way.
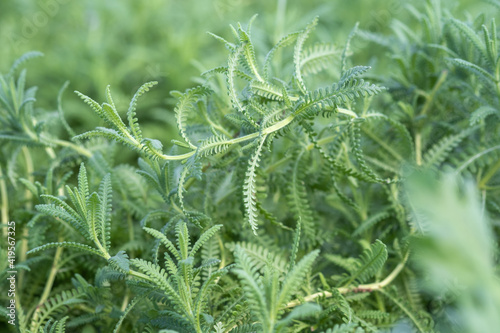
x: 382, y: 144
x: 280, y: 20
x: 405, y: 310
x: 475, y: 157
x: 428, y: 102
x: 140, y: 275
x: 5, y: 202
x: 29, y: 207
x: 309, y: 147
x: 276, y: 127
x: 491, y: 172
x: 125, y: 302
x: 62, y: 143
x: 418, y: 148
x: 430, y: 97
x: 130, y: 225
x: 360, y: 288
x: 214, y: 125
x: 52, y: 275
x: 48, y: 286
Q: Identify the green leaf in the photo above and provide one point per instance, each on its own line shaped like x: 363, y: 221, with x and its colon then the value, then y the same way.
x: 120, y: 262
x: 331, y: 97
x: 213, y: 145
x: 22, y: 59
x: 438, y: 153
x: 131, y: 114
x: 113, y: 116
x: 300, y: 312
x: 105, y: 198
x: 252, y: 286
x: 295, y: 278
x: 283, y: 42
x: 165, y: 241
x: 56, y: 304
x: 267, y: 90
x: 249, y: 54
x: 159, y: 278
x: 73, y: 245
x: 204, y: 238
x: 298, y: 198
x: 471, y: 36
x: 249, y: 190
x: 297, y: 54
x: 187, y: 104
x: 317, y: 58
x: 371, y: 261
x: 62, y: 210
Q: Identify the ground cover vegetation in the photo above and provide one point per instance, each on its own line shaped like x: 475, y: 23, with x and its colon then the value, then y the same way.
x: 291, y: 189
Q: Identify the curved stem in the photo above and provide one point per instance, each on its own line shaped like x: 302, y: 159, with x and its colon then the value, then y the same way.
x: 475, y: 157
x: 48, y: 284
x: 430, y: 97
x: 52, y: 275
x: 309, y: 147
x: 361, y: 288
x: 279, y: 125
x: 62, y: 143
x: 491, y: 172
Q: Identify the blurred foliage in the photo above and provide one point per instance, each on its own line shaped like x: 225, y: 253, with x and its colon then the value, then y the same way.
x: 94, y: 43
x: 456, y: 254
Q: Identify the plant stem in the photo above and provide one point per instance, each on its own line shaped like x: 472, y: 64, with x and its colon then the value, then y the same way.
x: 139, y: 275
x: 125, y: 302
x: 29, y: 207
x: 309, y: 147
x: 383, y: 144
x: 361, y: 288
x: 430, y: 97
x: 405, y: 310
x: 428, y: 102
x: 131, y: 234
x: 418, y: 148
x: 52, y: 275
x: 279, y: 125
x: 5, y: 202
x: 475, y: 157
x: 48, y: 284
x: 62, y: 143
x: 491, y: 172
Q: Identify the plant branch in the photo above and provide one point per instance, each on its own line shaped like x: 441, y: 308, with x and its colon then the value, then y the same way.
x: 360, y: 288
x: 491, y: 172
x: 5, y: 202
x: 29, y: 207
x: 48, y: 284
x: 81, y: 150
x: 429, y: 99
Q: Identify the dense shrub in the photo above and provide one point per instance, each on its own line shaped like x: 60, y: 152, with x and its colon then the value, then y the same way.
x: 301, y: 191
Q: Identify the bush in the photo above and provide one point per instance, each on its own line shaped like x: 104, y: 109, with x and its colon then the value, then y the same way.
x: 282, y: 204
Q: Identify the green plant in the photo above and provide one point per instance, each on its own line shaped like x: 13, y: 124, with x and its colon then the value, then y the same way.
x: 281, y: 205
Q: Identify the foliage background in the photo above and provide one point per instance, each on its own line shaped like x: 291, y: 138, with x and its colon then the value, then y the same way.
x: 94, y: 43
x: 125, y: 43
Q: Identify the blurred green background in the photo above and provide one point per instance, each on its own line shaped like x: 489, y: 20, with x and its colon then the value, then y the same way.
x: 125, y: 43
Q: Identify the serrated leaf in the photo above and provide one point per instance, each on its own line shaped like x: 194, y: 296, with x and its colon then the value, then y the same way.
x: 371, y: 261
